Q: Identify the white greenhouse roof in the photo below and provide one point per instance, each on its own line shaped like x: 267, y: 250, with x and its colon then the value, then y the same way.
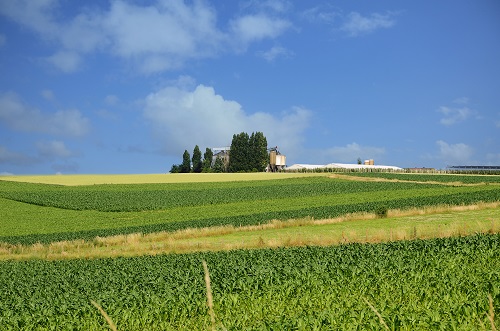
x: 300, y: 166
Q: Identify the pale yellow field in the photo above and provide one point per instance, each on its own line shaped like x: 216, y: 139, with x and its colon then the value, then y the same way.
x: 73, y: 180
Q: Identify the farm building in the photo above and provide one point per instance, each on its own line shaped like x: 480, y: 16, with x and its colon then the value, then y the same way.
x: 475, y: 168
x: 345, y: 166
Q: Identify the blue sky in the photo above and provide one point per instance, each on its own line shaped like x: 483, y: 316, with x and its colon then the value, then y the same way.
x: 126, y: 86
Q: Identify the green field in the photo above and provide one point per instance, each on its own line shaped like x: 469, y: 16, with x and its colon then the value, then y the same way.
x: 440, y: 283
x: 46, y: 213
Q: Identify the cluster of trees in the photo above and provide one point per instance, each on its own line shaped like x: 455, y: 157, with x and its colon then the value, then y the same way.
x: 195, y: 163
x: 247, y: 153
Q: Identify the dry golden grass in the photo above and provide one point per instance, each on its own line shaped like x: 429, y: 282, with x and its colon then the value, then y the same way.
x: 433, y: 222
x: 75, y: 180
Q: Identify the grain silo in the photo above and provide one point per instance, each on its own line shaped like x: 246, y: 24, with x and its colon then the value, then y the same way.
x: 277, y: 161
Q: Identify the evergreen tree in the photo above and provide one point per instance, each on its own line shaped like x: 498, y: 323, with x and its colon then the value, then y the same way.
x: 219, y: 165
x: 175, y: 169
x: 248, y: 153
x: 197, y: 165
x: 185, y: 167
x: 259, y: 158
x: 207, y: 160
x: 239, y: 153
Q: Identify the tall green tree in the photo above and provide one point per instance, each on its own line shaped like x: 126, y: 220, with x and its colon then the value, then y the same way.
x: 196, y: 160
x: 175, y: 169
x: 185, y: 167
x: 207, y: 160
x: 239, y: 153
x: 219, y: 165
x: 248, y: 153
x: 259, y: 157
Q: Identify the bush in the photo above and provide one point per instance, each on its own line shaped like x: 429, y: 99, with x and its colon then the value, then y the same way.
x: 381, y: 211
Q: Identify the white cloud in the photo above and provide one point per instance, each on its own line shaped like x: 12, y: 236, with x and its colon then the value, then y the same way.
x: 454, y: 154
x: 356, y: 24
x: 3, y: 40
x: 156, y: 37
x: 53, y: 149
x: 252, y: 28
x: 34, y: 14
x: 276, y: 52
x: 183, y: 118
x: 454, y: 115
x: 172, y: 29
x: 19, y: 116
x: 351, y: 152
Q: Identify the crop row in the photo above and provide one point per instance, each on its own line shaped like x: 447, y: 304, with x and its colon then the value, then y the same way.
x: 439, y: 284
x: 141, y: 197
x: 443, y: 178
x: 249, y: 213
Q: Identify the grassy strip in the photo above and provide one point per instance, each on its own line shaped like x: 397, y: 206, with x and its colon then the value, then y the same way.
x: 425, y: 223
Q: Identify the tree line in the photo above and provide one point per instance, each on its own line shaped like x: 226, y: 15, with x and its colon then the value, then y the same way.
x: 248, y: 153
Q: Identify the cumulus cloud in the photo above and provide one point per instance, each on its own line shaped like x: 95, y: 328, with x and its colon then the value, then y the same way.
x: 454, y: 154
x: 351, y: 152
x: 184, y: 117
x: 18, y: 116
x: 251, y: 28
x: 356, y: 24
x: 156, y: 37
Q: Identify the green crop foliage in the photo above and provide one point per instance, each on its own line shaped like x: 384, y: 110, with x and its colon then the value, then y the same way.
x: 449, y: 178
x: 439, y: 284
x: 46, y: 213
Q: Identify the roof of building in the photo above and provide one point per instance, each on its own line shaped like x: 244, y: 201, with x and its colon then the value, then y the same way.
x: 340, y: 166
